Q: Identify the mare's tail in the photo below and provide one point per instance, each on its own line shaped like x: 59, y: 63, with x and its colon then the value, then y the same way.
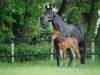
x: 82, y: 44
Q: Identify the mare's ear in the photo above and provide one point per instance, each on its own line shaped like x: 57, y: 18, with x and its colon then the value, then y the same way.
x: 50, y: 6
x: 46, y: 7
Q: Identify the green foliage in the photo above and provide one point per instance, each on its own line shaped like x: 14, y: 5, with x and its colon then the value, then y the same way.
x: 5, y: 33
x: 17, y: 12
x: 4, y: 49
x: 25, y: 49
x: 74, y: 14
x: 97, y: 4
x: 9, y: 19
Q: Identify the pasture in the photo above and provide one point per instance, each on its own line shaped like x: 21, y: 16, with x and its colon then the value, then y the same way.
x: 48, y: 67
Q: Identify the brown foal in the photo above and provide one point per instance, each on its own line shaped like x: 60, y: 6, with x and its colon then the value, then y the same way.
x: 65, y: 43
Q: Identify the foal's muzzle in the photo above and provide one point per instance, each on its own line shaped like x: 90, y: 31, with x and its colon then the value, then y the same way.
x: 52, y: 37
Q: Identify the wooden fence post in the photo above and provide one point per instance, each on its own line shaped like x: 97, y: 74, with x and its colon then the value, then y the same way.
x: 12, y: 52
x: 92, y: 50
x: 52, y: 44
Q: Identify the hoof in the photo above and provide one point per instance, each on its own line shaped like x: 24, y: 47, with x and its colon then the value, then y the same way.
x: 80, y: 65
x: 73, y: 65
x: 66, y: 65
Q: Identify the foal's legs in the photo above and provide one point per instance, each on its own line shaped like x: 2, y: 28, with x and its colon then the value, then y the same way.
x: 74, y: 56
x: 65, y: 55
x: 78, y: 54
x: 61, y: 56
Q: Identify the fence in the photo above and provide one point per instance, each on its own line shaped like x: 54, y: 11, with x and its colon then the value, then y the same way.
x: 12, y: 47
x: 12, y: 50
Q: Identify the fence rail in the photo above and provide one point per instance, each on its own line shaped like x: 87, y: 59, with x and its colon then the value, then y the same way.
x: 25, y: 41
x: 38, y: 41
x: 12, y: 55
x: 38, y: 54
x: 27, y: 55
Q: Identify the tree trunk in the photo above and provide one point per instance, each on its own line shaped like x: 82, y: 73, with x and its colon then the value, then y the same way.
x: 62, y: 7
x: 92, y: 20
x: 23, y: 33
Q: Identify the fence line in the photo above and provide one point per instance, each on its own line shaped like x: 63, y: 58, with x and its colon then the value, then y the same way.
x: 14, y: 42
x: 37, y: 41
x: 37, y: 54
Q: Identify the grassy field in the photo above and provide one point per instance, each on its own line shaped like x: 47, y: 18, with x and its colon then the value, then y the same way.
x: 48, y: 67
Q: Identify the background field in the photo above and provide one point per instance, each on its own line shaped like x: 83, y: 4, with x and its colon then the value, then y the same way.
x: 47, y: 67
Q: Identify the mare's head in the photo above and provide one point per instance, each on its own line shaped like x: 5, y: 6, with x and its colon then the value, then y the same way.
x: 55, y: 34
x: 48, y: 14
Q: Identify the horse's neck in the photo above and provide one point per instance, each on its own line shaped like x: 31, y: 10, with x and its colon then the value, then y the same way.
x: 57, y: 21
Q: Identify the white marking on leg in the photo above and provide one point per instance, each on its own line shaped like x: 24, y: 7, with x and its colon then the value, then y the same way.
x: 61, y: 57
x: 74, y: 56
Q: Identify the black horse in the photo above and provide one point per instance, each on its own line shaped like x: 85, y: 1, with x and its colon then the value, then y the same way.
x: 67, y: 30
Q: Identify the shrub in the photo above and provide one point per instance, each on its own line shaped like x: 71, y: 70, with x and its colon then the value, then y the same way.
x: 26, y: 49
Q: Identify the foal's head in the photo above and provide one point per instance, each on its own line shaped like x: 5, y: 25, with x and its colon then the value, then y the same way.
x: 55, y: 34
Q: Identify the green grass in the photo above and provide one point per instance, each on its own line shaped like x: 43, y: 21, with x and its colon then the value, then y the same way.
x: 48, y: 67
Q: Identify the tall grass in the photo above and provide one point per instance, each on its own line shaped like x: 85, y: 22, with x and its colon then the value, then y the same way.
x: 48, y: 67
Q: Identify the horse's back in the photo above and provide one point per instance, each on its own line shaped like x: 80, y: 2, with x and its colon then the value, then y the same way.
x: 71, y: 30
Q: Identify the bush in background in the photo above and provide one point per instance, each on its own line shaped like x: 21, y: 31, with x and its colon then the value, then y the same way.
x: 26, y: 49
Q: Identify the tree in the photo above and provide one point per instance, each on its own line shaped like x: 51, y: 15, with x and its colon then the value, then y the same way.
x: 19, y: 17
x: 92, y: 19
x: 62, y: 7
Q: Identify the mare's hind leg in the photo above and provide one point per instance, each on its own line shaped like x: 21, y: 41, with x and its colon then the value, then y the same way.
x: 74, y: 56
